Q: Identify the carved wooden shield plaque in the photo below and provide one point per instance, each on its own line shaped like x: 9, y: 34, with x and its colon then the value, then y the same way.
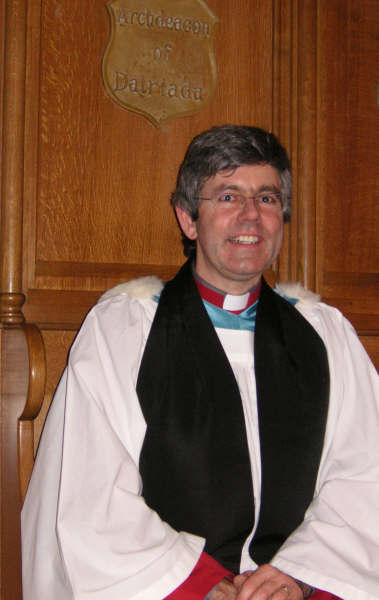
x: 159, y: 61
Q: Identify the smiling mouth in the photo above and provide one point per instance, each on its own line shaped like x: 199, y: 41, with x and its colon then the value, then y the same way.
x: 244, y: 239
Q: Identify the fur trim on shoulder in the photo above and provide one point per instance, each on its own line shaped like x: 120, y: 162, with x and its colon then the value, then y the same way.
x: 149, y: 286
x: 142, y: 287
x: 297, y: 291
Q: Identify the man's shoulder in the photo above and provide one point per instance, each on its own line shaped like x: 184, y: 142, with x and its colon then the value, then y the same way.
x: 323, y: 317
x: 141, y: 288
x: 124, y: 305
x: 297, y: 294
x: 306, y: 301
x: 122, y: 313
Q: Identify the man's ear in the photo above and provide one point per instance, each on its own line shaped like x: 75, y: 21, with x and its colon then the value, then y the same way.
x: 187, y: 224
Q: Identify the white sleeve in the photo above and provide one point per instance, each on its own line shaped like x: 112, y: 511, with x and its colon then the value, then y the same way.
x: 107, y: 543
x: 336, y: 547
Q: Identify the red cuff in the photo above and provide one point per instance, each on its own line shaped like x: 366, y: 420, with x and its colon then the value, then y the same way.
x: 206, y: 574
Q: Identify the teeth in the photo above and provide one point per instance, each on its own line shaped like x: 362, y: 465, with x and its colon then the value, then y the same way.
x: 245, y: 239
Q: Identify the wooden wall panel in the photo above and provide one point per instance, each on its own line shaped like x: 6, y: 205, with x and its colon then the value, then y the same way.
x: 98, y: 177
x: 86, y: 184
x: 347, y: 251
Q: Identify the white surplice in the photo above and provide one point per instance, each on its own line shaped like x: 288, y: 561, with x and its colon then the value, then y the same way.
x: 87, y: 532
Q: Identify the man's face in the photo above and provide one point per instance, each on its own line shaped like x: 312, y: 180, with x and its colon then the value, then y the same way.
x: 235, y: 245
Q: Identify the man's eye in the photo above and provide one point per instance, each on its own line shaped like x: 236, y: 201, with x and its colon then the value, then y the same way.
x: 268, y: 198
x: 227, y: 198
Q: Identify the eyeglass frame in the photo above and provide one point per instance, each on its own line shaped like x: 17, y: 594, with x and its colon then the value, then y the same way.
x: 243, y: 199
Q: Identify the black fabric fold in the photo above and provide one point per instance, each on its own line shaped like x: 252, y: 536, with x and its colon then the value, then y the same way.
x: 292, y: 379
x: 194, y: 461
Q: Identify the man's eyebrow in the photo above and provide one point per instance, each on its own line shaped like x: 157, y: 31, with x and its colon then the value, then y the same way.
x: 234, y: 187
x: 268, y: 188
x: 227, y: 186
x: 224, y: 187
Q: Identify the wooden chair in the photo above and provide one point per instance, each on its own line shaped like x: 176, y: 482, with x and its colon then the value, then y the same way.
x: 23, y: 377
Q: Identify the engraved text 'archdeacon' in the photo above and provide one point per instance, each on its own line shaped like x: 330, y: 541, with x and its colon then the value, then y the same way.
x: 159, y: 61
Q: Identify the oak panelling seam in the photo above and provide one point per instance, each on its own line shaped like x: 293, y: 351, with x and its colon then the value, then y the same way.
x: 320, y: 189
x: 344, y: 278
x: 102, y: 270
x: 306, y: 128
x: 355, y: 293
x: 294, y: 132
x: 282, y: 113
x: 58, y: 309
x: 32, y: 142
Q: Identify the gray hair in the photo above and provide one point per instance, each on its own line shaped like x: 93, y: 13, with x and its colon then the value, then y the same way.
x: 228, y: 147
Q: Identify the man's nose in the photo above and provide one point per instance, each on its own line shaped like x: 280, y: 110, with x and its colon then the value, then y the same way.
x: 249, y: 209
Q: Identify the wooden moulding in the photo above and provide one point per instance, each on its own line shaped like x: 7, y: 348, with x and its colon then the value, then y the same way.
x: 305, y: 136
x: 14, y: 382
x: 295, y: 121
x: 33, y: 404
x: 11, y: 297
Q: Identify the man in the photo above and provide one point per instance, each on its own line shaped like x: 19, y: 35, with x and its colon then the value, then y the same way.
x: 210, y: 427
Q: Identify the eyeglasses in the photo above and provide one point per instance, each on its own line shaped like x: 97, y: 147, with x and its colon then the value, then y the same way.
x: 268, y: 201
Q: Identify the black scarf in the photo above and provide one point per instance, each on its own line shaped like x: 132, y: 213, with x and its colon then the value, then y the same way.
x: 194, y: 461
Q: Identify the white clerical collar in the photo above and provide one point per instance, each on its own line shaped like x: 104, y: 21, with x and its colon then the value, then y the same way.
x: 235, y: 303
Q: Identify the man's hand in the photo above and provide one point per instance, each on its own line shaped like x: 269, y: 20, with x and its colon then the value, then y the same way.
x: 224, y: 591
x: 266, y: 583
